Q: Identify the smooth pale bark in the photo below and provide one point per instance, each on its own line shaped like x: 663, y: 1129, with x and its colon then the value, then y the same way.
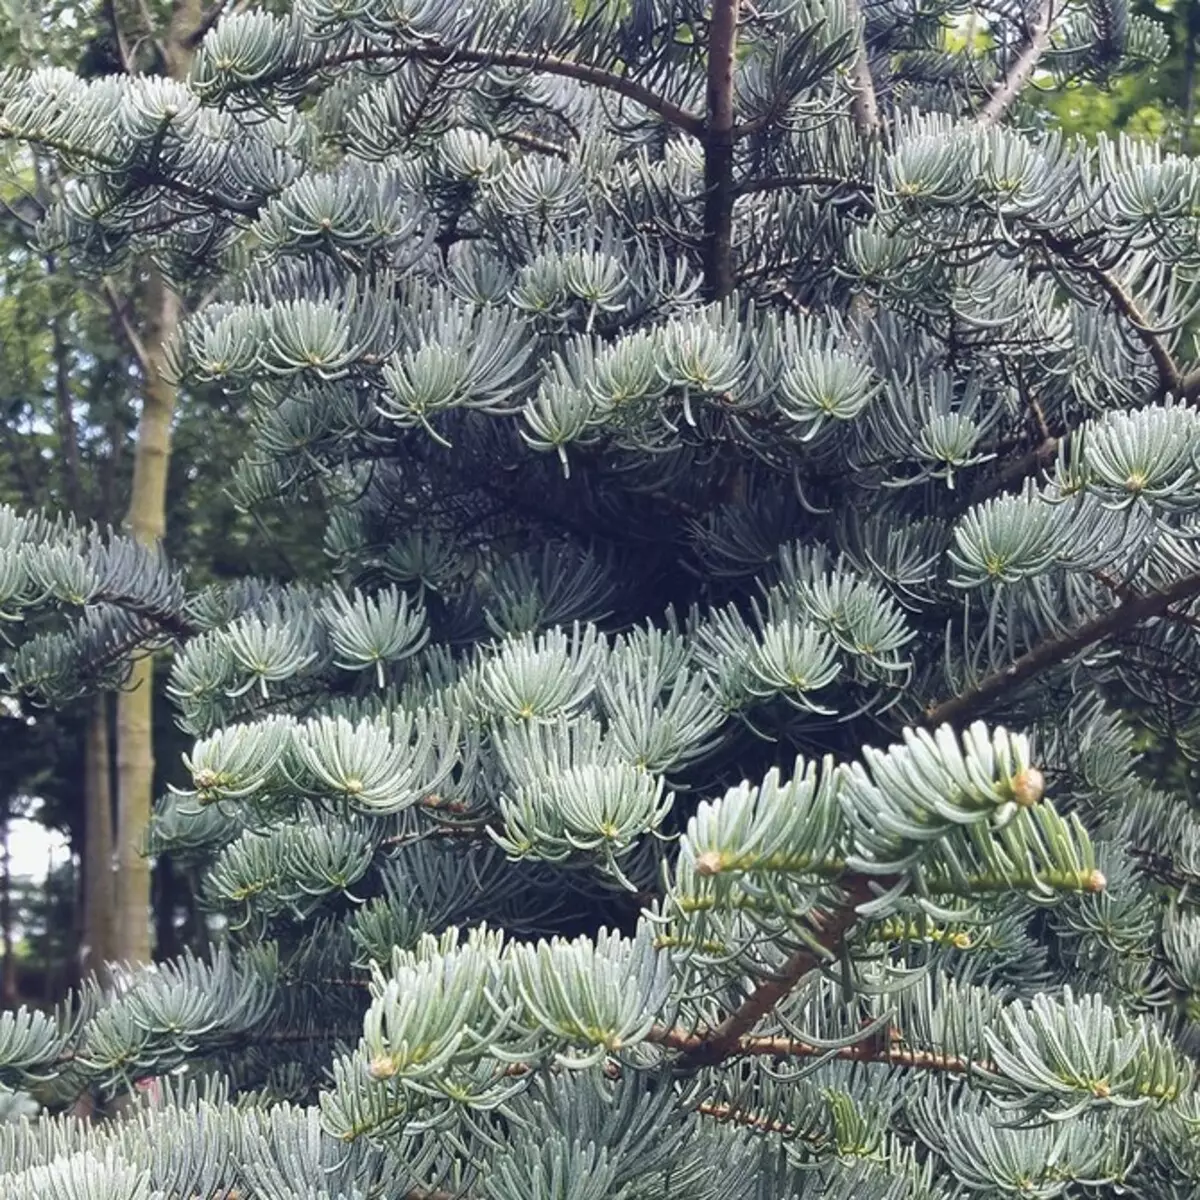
x: 146, y: 521
x: 718, y: 150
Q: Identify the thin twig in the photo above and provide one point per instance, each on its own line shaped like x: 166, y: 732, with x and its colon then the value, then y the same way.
x: 1169, y: 374
x: 132, y: 336
x: 123, y: 51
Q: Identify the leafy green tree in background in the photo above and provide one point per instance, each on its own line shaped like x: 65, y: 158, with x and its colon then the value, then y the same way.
x: 71, y: 372
x: 760, y: 465
x: 1157, y: 105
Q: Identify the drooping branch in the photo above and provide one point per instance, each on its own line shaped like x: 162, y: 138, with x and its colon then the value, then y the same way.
x: 718, y: 150
x: 1057, y: 650
x: 1022, y: 68
x: 1169, y: 373
x: 549, y: 64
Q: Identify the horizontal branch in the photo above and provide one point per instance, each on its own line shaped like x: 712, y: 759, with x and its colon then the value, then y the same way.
x: 894, y: 1053
x: 438, y: 54
x: 1013, y: 472
x: 775, y: 183
x: 1055, y: 651
x: 670, y: 112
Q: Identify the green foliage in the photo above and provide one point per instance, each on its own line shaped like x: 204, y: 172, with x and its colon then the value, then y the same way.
x: 699, y: 769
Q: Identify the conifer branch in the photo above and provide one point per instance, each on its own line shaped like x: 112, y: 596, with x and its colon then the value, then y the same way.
x: 726, y: 1113
x: 894, y: 1053
x: 1055, y: 651
x: 196, y: 36
x: 121, y: 313
x: 728, y: 1037
x: 1013, y: 472
x: 1170, y: 376
x: 1022, y: 69
x: 436, y: 53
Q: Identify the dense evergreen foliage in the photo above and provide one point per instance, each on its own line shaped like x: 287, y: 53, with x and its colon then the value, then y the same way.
x: 762, y: 468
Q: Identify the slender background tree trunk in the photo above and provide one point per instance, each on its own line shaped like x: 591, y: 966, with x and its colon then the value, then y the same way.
x: 8, y: 982
x: 146, y: 521
x: 99, y: 942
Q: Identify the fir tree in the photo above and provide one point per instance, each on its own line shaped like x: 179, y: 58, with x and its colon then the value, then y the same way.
x: 762, y: 469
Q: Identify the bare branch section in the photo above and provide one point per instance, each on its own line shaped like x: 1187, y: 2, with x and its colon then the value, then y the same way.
x: 1055, y: 651
x: 718, y: 151
x: 864, y: 107
x: 1022, y: 69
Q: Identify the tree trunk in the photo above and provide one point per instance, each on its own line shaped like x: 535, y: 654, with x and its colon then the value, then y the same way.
x: 147, y: 523
x: 99, y: 941
x: 8, y: 983
x: 718, y: 150
x: 166, y: 908
x: 1189, y: 76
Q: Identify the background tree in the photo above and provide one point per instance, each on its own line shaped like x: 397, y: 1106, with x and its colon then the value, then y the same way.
x: 75, y: 342
x: 702, y: 398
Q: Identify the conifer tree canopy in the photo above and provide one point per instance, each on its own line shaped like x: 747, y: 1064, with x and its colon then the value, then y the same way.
x: 762, y: 466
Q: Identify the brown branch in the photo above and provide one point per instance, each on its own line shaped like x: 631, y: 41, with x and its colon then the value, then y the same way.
x: 1169, y: 373
x: 1002, y: 99
x: 894, y: 1053
x: 728, y: 1037
x: 1015, y: 471
x: 670, y: 112
x: 864, y: 105
x: 718, y: 150
x: 1126, y: 592
x: 1054, y: 651
x: 123, y: 51
x: 727, y: 1114
x: 529, y: 142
